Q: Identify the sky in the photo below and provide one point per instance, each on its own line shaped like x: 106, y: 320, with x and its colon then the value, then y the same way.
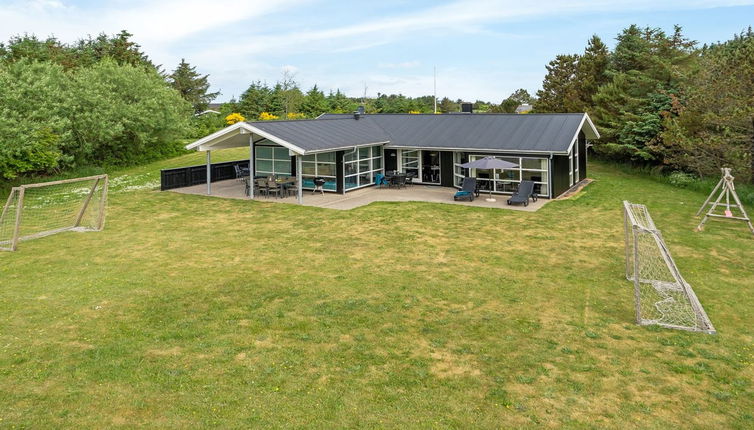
x: 481, y: 49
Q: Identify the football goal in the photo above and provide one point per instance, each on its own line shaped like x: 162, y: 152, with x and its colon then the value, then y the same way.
x: 662, y: 297
x: 38, y: 210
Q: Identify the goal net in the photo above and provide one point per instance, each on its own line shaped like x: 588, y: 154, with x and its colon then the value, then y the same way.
x: 37, y: 210
x: 661, y: 295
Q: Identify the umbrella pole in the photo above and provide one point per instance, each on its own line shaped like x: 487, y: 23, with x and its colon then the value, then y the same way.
x: 490, y: 185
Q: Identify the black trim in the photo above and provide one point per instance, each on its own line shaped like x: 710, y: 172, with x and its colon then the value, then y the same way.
x: 339, y: 174
x: 446, y: 169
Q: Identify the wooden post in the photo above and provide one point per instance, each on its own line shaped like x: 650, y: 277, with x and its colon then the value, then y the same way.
x: 637, y: 276
x: 102, y: 205
x: 209, y: 173
x: 85, y: 204
x: 7, y: 203
x: 299, y: 181
x: 706, y: 202
x: 17, y: 228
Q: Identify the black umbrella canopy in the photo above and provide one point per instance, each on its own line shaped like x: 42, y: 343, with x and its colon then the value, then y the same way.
x: 489, y: 163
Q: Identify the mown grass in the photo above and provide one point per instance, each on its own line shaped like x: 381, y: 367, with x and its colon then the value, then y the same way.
x: 192, y: 311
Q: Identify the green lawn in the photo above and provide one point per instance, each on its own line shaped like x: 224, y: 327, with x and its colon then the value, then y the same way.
x: 192, y: 311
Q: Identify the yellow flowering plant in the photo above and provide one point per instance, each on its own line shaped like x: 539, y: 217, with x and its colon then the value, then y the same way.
x: 266, y: 116
x: 234, y: 118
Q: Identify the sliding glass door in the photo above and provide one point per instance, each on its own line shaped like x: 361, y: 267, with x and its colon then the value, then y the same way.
x: 423, y: 165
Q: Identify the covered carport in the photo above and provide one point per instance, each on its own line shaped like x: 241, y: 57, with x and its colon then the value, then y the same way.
x: 240, y: 135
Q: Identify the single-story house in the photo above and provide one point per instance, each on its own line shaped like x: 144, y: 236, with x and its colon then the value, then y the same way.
x: 349, y: 150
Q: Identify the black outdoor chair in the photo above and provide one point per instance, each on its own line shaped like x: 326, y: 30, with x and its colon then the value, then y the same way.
x: 409, y: 179
x: 468, y: 190
x: 523, y: 194
x: 241, y: 172
x: 273, y: 188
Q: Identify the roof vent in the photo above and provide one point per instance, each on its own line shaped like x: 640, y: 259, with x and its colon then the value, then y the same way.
x: 467, y: 108
x: 359, y: 112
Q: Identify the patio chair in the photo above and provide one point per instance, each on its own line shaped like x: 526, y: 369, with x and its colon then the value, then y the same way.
x: 380, y: 180
x: 468, y: 190
x: 523, y: 194
x: 246, y: 186
x: 409, y: 179
x: 273, y: 187
x: 260, y: 186
x: 239, y: 172
x: 291, y: 188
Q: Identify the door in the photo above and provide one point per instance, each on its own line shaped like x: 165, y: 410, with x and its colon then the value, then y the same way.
x: 430, y: 167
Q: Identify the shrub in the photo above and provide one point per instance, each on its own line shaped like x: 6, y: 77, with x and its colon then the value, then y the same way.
x: 681, y: 179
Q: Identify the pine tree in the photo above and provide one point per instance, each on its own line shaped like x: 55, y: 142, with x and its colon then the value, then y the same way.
x: 645, y: 81
x: 314, y: 103
x: 591, y: 73
x: 192, y: 86
x: 255, y: 100
x: 558, y: 93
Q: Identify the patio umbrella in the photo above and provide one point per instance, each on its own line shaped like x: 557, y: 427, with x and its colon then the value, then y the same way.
x: 489, y: 163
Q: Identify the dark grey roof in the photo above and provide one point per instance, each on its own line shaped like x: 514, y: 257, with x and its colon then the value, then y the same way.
x: 324, y: 134
x: 496, y: 132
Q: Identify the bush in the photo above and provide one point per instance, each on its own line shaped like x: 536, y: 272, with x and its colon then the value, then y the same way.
x: 33, y: 121
x: 681, y: 179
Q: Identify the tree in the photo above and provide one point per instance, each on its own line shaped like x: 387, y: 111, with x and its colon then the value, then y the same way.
x: 558, y: 91
x: 314, y: 103
x: 255, y: 100
x: 339, y: 103
x: 192, y: 86
x: 591, y: 74
x: 82, y: 53
x: 509, y: 105
x: 446, y: 106
x: 286, y: 96
x: 33, y: 98
x: 715, y: 124
x: 123, y: 114
x: 645, y: 79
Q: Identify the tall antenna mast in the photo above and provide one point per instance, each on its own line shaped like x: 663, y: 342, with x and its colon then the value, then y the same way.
x: 434, y: 68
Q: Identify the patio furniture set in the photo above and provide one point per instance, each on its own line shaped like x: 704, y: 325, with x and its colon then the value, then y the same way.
x: 279, y: 186
x: 394, y: 179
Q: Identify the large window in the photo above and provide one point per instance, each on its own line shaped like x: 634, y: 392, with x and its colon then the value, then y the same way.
x: 271, y: 160
x: 361, y: 166
x: 506, y: 180
x: 319, y: 166
x: 573, y: 161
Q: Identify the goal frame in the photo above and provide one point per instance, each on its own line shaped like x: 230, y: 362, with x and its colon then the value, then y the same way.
x: 634, y: 227
x: 20, y: 191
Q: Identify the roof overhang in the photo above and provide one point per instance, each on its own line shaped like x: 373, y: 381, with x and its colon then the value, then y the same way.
x: 238, y: 136
x: 590, y: 131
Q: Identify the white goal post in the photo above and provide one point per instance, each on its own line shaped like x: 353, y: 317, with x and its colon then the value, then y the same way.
x: 662, y: 297
x: 37, y: 210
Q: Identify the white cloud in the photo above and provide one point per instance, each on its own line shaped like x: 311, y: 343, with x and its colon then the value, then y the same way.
x: 235, y: 42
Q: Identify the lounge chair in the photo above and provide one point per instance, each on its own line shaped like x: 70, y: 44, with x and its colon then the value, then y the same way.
x: 468, y: 189
x: 523, y: 194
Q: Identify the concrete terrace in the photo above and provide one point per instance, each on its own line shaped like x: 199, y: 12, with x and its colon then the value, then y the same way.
x: 234, y: 189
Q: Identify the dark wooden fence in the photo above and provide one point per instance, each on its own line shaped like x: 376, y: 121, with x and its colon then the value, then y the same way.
x: 195, y: 175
